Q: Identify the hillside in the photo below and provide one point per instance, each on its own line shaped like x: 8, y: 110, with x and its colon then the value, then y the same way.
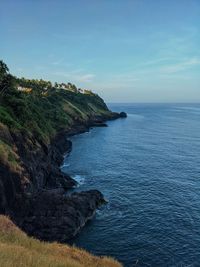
x: 33, y: 128
x: 36, y: 118
x: 17, y: 249
x: 43, y: 111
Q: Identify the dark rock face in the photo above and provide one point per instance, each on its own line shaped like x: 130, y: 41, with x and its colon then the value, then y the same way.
x: 35, y: 197
x: 57, y: 217
x: 10, y: 186
x: 99, y: 124
x: 44, y: 210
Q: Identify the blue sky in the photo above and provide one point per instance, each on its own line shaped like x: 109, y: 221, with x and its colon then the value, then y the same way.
x: 125, y: 50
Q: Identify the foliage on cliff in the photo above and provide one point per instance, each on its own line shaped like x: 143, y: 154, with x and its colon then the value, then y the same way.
x: 32, y: 113
x: 17, y: 249
x: 44, y: 110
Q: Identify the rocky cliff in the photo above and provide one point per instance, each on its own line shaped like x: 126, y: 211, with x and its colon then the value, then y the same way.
x: 33, y: 139
x: 35, y: 195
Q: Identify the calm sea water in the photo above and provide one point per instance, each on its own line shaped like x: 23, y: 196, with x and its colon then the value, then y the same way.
x: 148, y: 168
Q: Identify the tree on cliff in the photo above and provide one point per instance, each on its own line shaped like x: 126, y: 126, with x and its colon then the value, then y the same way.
x: 6, y: 79
x: 3, y: 69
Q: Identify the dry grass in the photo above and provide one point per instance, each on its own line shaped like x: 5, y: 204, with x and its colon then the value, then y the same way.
x: 9, y: 157
x: 19, y: 250
x: 73, y: 110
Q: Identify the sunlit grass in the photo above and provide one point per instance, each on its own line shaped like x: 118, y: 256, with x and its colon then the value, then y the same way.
x: 19, y: 250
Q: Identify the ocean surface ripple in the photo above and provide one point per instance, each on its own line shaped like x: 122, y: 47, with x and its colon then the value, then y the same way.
x: 148, y: 168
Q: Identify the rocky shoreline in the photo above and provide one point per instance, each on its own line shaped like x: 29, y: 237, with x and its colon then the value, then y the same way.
x: 44, y: 210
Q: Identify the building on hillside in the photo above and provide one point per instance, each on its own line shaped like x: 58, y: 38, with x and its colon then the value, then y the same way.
x: 24, y: 89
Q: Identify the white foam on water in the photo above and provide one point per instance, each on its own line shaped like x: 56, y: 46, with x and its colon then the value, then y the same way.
x: 65, y: 165
x: 79, y: 179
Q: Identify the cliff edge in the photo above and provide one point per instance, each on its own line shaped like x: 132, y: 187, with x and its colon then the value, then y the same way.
x: 35, y: 119
x: 17, y: 249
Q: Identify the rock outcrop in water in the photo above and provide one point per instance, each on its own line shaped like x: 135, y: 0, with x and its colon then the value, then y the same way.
x: 122, y: 114
x: 55, y: 216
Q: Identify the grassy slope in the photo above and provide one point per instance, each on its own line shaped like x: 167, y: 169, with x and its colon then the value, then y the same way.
x: 43, y: 116
x: 19, y: 250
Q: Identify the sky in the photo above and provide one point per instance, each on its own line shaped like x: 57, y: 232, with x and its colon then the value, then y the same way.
x: 124, y: 50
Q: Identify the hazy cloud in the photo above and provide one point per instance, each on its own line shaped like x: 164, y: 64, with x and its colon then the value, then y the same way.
x: 76, y: 76
x: 182, y: 66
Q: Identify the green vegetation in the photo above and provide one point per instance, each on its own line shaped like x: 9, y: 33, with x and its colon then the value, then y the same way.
x: 8, y: 155
x: 34, y: 111
x: 38, y: 108
x: 19, y: 250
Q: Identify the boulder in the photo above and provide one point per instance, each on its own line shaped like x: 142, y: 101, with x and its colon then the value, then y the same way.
x: 122, y: 114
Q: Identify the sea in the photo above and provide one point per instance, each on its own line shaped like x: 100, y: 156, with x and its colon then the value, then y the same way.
x: 148, y: 168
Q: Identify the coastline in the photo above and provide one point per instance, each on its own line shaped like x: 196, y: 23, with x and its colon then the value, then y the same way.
x: 50, y: 214
x: 34, y: 126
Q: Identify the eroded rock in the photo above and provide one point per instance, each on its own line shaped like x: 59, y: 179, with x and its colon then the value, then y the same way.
x: 54, y: 216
